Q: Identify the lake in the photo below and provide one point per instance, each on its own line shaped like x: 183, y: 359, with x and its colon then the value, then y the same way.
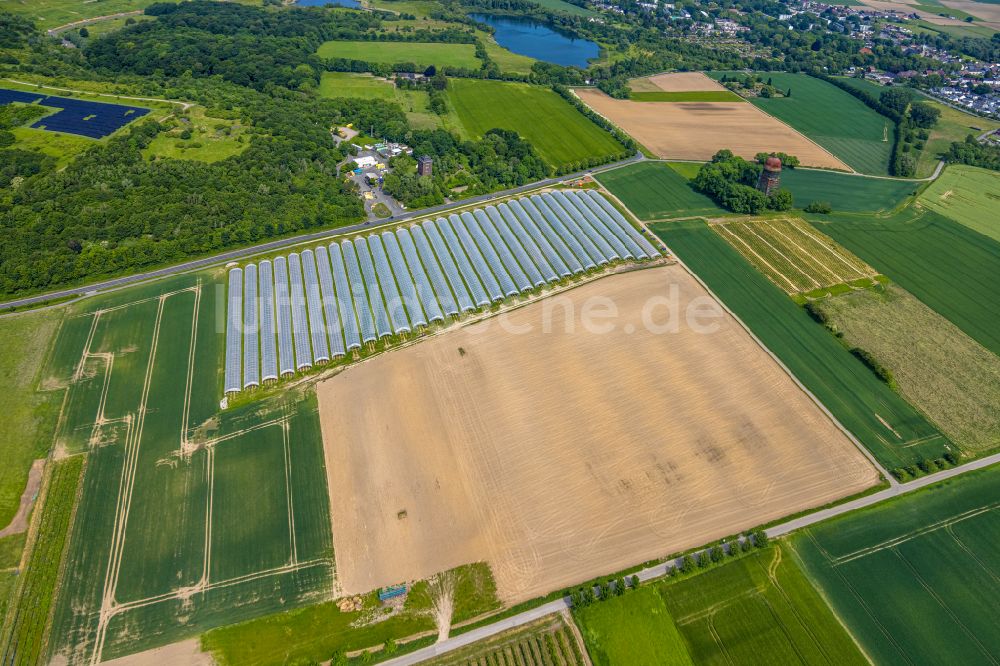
x: 354, y: 4
x: 539, y: 40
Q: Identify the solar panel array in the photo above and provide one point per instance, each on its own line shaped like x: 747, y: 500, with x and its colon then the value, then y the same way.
x: 92, y: 119
x: 323, y: 303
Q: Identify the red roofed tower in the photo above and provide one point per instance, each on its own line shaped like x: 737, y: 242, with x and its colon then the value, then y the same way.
x: 770, y: 177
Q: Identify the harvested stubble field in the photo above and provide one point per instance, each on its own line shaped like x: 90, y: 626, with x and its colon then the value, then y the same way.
x: 939, y: 369
x: 914, y: 579
x: 599, y: 448
x: 548, y: 642
x: 895, y: 432
x: 697, y: 130
x: 792, y: 254
x: 676, y: 82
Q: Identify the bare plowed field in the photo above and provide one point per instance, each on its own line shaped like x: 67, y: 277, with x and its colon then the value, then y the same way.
x: 556, y: 451
x: 696, y: 130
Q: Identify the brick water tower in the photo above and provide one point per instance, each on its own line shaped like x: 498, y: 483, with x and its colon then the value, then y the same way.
x: 770, y: 177
x: 424, y: 165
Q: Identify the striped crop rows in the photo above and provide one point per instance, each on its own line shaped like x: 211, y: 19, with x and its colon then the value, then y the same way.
x: 323, y: 303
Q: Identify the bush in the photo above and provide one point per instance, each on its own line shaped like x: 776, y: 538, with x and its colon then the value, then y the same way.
x: 821, y: 207
x: 880, y: 370
x: 635, y: 582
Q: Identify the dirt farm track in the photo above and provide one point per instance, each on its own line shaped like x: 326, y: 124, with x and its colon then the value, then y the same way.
x: 556, y: 456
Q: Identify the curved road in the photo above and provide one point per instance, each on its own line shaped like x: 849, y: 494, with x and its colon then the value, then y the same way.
x: 232, y: 255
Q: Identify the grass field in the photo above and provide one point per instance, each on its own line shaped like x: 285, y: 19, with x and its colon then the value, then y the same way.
x: 29, y: 414
x: 885, y: 423
x: 793, y: 255
x: 313, y: 633
x: 63, y: 147
x: 566, y: 7
x: 654, y: 191
x: 547, y: 642
x: 914, y: 579
x: 939, y: 369
x: 212, y: 139
x: 562, y: 135
x: 48, y: 14
x: 953, y: 125
x: 507, y: 60
x: 969, y: 196
x: 415, y: 103
x: 950, y: 267
x: 832, y: 118
x: 422, y: 54
x: 26, y: 629
x: 633, y: 629
x: 686, y: 96
x: 247, y: 531
x: 845, y: 192
x: 760, y: 606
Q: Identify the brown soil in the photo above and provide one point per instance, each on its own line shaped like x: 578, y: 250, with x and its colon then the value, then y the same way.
x: 19, y: 523
x: 185, y: 652
x: 696, y: 130
x: 556, y: 456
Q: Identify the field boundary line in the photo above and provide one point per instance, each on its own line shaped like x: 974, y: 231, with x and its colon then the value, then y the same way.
x: 961, y: 544
x: 909, y: 536
x: 288, y: 492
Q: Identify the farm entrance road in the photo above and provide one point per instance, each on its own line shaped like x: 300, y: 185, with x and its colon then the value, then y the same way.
x: 232, y: 255
x: 660, y: 570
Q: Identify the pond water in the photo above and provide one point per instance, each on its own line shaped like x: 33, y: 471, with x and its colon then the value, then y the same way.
x: 322, y: 3
x: 539, y: 40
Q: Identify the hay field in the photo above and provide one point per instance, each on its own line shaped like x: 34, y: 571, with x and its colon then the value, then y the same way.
x: 939, y: 369
x: 914, y: 579
x: 969, y: 196
x: 696, y: 130
x: 792, y: 254
x: 593, y: 452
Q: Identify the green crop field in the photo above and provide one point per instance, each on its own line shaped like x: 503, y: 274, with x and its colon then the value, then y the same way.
x: 882, y: 420
x: 543, y: 643
x: 562, y: 135
x: 870, y: 87
x: 686, y: 96
x: 48, y: 14
x: 845, y: 192
x: 833, y: 118
x: 760, y: 606
x: 654, y: 191
x: 943, y: 372
x: 969, y: 196
x: 26, y: 630
x: 950, y: 267
x: 635, y: 628
x: 29, y: 413
x: 190, y: 518
x: 914, y: 579
x: 792, y: 254
x: 422, y: 54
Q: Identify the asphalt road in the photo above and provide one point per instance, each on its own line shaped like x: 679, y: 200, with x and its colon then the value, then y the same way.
x: 233, y: 255
x: 660, y: 570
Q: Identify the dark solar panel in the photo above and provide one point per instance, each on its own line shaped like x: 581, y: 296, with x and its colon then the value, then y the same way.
x: 91, y: 119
